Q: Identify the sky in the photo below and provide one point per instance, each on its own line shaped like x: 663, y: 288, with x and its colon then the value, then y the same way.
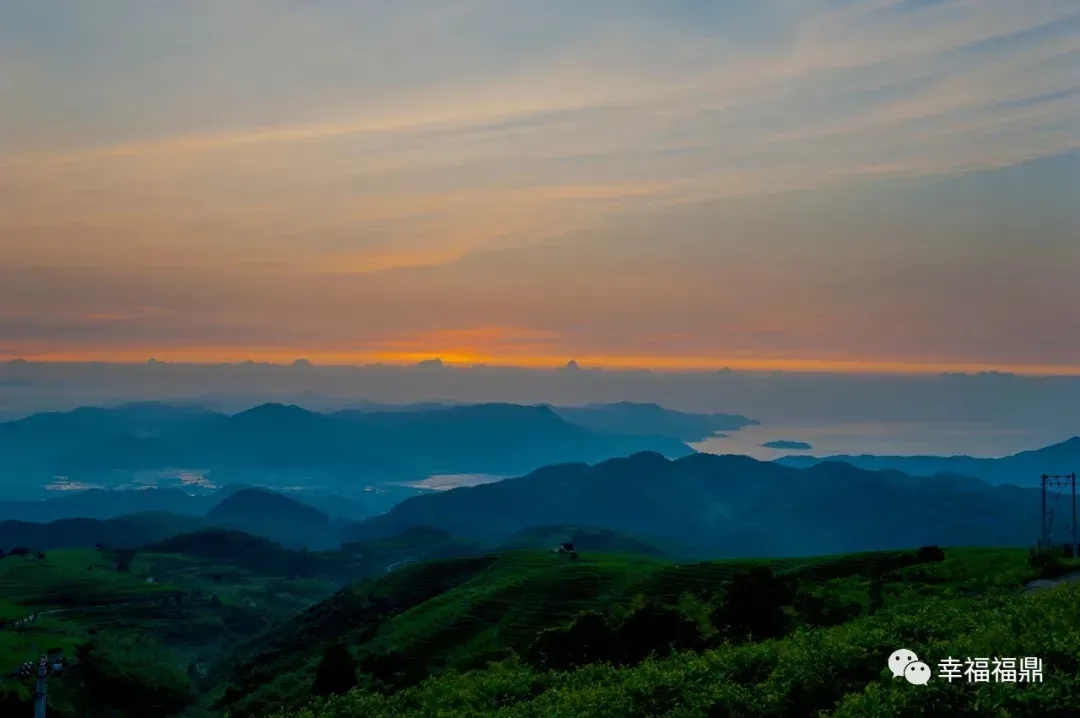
x: 806, y: 185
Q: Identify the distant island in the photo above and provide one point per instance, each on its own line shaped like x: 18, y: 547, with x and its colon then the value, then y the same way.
x: 787, y: 445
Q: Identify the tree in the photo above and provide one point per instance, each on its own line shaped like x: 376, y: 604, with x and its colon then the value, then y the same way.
x: 929, y: 554
x: 876, y: 598
x: 1045, y: 562
x: 124, y: 557
x: 655, y: 628
x: 753, y: 605
x: 336, y: 672
x: 588, y: 639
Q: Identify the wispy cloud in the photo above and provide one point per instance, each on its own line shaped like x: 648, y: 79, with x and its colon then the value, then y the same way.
x: 206, y: 157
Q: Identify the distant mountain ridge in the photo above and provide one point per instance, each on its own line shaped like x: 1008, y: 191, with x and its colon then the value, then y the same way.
x: 103, y: 504
x: 497, y: 438
x: 633, y: 418
x: 700, y: 505
x: 729, y: 506
x: 128, y: 531
x: 1022, y: 469
x: 254, y: 511
x: 343, y: 448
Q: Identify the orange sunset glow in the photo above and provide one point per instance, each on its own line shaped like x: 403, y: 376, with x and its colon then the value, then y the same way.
x: 820, y: 186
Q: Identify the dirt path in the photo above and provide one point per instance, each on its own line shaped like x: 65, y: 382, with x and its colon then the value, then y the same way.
x: 1045, y: 583
x: 394, y: 565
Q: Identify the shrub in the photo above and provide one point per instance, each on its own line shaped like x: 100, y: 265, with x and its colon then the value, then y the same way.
x: 815, y: 610
x: 336, y: 672
x: 588, y: 639
x: 650, y: 628
x: 837, y: 671
x: 929, y: 554
x: 753, y: 605
x: 1045, y: 562
x: 655, y: 629
x: 876, y: 595
x: 124, y: 557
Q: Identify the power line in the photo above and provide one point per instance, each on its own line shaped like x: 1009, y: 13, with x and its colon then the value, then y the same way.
x: 1059, y: 482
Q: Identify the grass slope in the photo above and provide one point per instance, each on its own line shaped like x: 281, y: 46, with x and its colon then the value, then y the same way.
x: 458, y: 615
x: 195, y: 609
x: 588, y: 538
x: 837, y: 671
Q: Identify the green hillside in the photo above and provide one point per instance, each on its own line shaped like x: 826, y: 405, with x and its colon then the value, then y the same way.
x: 588, y: 538
x: 161, y: 616
x: 133, y: 619
x: 425, y: 619
x: 838, y: 671
x: 229, y: 627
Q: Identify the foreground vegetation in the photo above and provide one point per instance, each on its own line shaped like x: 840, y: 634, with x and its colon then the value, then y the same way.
x: 137, y: 630
x: 837, y: 671
x: 526, y: 634
x: 237, y: 626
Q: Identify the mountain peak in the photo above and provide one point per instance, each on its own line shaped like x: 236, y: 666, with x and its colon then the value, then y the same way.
x: 1069, y: 447
x: 507, y: 411
x: 255, y: 504
x: 638, y: 460
x: 273, y: 410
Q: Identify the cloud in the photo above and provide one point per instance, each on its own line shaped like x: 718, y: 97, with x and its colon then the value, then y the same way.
x: 759, y: 179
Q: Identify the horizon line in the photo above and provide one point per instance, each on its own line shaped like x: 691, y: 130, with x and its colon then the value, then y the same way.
x: 660, y: 364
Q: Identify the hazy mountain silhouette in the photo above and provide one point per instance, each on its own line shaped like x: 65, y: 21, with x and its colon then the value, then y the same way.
x: 1022, y: 469
x: 651, y: 419
x: 787, y: 444
x: 262, y: 505
x: 56, y: 434
x: 272, y: 515
x: 347, y: 448
x: 85, y: 518
x: 730, y: 505
x: 121, y: 532
x: 364, y: 405
x: 102, y: 504
x: 106, y: 504
x: 495, y: 438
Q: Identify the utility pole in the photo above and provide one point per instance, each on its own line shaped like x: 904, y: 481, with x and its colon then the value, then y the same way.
x: 1042, y: 525
x: 39, y: 694
x: 1058, y: 481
